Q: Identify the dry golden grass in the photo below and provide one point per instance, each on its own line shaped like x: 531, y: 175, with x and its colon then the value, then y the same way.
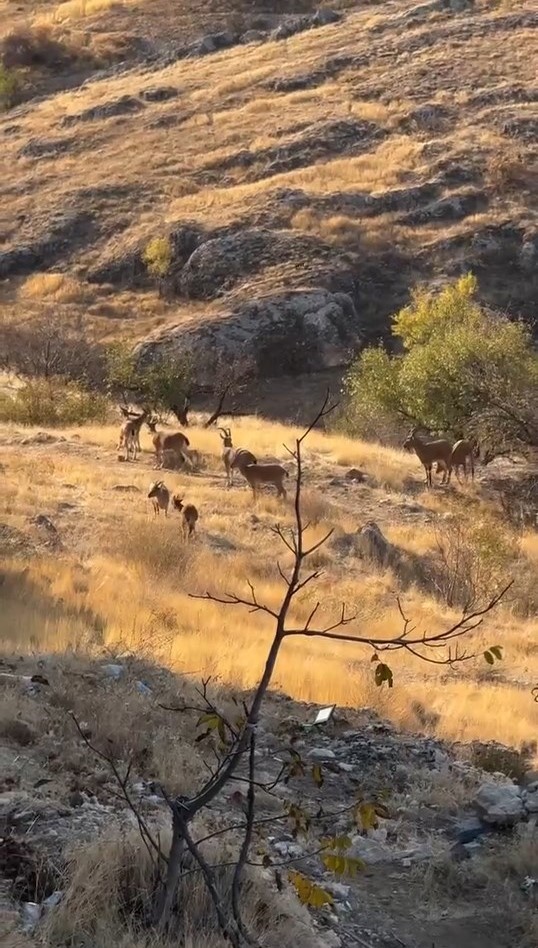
x: 57, y: 287
x: 124, y: 579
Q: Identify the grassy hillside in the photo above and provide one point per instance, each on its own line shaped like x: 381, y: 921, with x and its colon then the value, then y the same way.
x: 113, y: 577
x: 392, y: 146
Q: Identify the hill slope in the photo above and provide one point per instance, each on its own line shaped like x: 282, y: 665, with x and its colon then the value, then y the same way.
x: 361, y: 156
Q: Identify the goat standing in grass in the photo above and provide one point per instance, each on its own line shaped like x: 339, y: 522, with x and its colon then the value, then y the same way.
x: 130, y: 435
x: 257, y: 474
x: 428, y: 452
x: 234, y: 458
x: 176, y: 443
x: 160, y: 495
x: 189, y: 515
x: 462, y: 452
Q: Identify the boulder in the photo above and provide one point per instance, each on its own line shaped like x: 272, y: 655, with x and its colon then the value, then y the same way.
x: 371, y: 542
x: 291, y: 332
x: 499, y: 804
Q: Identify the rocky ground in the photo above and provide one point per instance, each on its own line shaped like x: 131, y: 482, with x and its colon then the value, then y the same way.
x: 453, y: 857
x: 396, y: 146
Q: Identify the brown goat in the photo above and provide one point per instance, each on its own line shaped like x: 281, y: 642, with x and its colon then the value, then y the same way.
x: 462, y: 452
x: 130, y: 433
x: 234, y: 458
x: 257, y: 474
x: 189, y: 514
x: 428, y: 452
x: 160, y: 495
x: 177, y: 443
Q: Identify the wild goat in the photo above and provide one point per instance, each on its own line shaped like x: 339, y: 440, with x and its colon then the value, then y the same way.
x: 234, y: 458
x: 130, y: 434
x: 257, y: 474
x: 160, y: 495
x: 428, y: 452
x: 189, y: 514
x: 462, y: 452
x: 177, y: 444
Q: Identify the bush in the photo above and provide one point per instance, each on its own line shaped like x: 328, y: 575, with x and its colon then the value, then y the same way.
x: 158, y: 256
x: 53, y: 401
x: 463, y: 369
x: 475, y: 557
x: 32, y: 47
x: 160, y: 384
x: 9, y: 87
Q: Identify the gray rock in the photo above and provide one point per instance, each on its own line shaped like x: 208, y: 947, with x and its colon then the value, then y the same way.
x: 307, y: 328
x: 500, y: 804
x: 31, y: 913
x: 370, y: 850
x: 337, y: 889
x: 321, y: 754
x: 531, y: 800
x: 159, y: 94
x: 143, y: 688
x: 326, y: 16
x: 288, y: 850
x: 354, y: 474
x: 126, y: 105
x: 113, y: 671
x: 253, y: 36
x: 53, y: 900
x: 372, y: 543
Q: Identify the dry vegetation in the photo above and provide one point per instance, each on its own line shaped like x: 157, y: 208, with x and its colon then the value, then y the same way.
x: 122, y: 580
x: 431, y: 99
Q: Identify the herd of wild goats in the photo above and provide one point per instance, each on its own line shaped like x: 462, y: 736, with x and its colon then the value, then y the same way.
x: 173, y: 450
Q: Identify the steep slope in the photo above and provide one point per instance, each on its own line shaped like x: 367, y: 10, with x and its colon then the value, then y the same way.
x: 358, y: 156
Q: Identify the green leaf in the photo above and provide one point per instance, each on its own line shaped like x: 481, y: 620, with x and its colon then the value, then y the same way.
x: 308, y: 892
x: 366, y: 816
x: 342, y: 865
x: 489, y: 657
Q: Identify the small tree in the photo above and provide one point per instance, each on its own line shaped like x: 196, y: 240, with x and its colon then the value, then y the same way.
x: 463, y: 369
x: 235, y: 748
x: 163, y: 385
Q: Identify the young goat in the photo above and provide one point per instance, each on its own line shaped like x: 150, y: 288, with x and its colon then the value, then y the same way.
x: 177, y: 444
x: 257, y: 474
x: 160, y: 495
x: 462, y: 452
x: 234, y: 458
x: 428, y: 452
x: 130, y: 434
x: 189, y: 515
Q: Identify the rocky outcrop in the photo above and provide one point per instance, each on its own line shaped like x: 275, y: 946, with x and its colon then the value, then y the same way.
x: 291, y: 332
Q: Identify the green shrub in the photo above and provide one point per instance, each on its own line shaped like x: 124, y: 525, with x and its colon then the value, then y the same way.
x: 158, y: 256
x: 462, y: 370
x: 160, y: 385
x: 51, y: 402
x: 9, y: 86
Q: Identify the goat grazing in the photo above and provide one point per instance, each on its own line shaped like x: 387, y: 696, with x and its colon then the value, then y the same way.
x: 234, y: 458
x: 176, y: 443
x: 428, y: 452
x: 462, y: 452
x: 160, y: 495
x: 130, y: 434
x: 188, y: 513
x: 257, y: 474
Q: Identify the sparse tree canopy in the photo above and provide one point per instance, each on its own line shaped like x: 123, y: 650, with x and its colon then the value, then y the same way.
x: 463, y: 370
x: 161, y: 384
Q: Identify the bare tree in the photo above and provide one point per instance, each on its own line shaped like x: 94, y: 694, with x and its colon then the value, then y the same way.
x: 238, y: 738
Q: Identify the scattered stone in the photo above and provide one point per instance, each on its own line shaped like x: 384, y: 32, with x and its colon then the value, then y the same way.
x: 354, y: 474
x: 53, y: 900
x: 159, y: 94
x: 469, y: 829
x: 31, y: 913
x: 113, y: 671
x: 321, y: 754
x: 373, y: 544
x: 370, y: 850
x: 253, y: 36
x: 337, y: 889
x: 288, y: 850
x: 127, y: 488
x: 531, y: 799
x: 143, y: 688
x: 500, y: 804
x: 126, y: 105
